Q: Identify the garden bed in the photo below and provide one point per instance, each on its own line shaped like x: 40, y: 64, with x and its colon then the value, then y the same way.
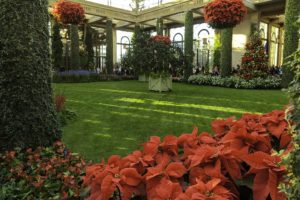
x: 87, y: 77
x: 271, y: 82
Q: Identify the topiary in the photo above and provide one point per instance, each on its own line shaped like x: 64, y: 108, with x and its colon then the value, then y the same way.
x: 188, y: 44
x: 109, y: 47
x: 28, y: 118
x: 57, y: 46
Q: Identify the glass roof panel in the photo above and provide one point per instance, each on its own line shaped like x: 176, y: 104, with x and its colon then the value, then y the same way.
x: 130, y: 5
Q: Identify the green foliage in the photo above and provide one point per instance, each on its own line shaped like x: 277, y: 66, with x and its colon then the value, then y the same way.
x: 28, y: 118
x: 271, y: 82
x: 160, y: 26
x: 138, y: 56
x: 291, y: 38
x: 89, y: 47
x: 75, y: 56
x: 57, y: 46
x: 44, y: 173
x: 255, y: 60
x: 293, y: 159
x: 226, y: 52
x: 109, y: 47
x: 188, y: 44
x: 217, y: 51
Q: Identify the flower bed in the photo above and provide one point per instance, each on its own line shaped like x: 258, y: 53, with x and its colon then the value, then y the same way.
x: 44, y: 173
x: 84, y: 76
x: 239, y: 162
x: 271, y: 82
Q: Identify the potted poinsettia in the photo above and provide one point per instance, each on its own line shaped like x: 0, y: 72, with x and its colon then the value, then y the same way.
x: 160, y: 78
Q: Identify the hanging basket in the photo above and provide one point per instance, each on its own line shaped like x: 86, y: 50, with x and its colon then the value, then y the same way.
x: 221, y: 14
x: 67, y: 12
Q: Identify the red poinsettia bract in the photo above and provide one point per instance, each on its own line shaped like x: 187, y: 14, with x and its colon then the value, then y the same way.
x: 200, y: 166
x: 224, y: 13
x: 68, y: 12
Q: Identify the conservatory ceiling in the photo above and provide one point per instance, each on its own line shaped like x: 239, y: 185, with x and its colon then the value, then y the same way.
x: 125, y: 16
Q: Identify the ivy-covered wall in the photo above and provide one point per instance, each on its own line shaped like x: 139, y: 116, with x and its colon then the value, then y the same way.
x: 75, y: 57
x: 291, y: 39
x: 57, y: 46
x: 27, y: 114
x: 188, y: 44
x: 160, y: 26
x: 89, y: 47
x: 226, y: 52
x: 109, y: 47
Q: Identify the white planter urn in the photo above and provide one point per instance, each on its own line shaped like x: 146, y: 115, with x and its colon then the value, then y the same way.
x: 160, y: 83
x: 143, y: 78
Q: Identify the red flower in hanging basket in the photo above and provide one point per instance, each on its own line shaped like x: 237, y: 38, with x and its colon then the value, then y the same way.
x: 68, y: 12
x: 162, y: 39
x: 222, y: 14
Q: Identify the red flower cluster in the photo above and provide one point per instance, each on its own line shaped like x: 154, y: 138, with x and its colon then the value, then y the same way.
x: 44, y: 172
x: 202, y: 167
x: 161, y: 39
x: 224, y: 13
x: 68, y: 12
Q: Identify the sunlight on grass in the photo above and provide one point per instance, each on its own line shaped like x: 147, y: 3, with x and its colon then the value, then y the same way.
x: 130, y: 139
x: 122, y: 148
x: 103, y: 135
x: 130, y: 115
x: 186, y: 105
x: 156, y: 110
x: 131, y: 100
x: 92, y: 121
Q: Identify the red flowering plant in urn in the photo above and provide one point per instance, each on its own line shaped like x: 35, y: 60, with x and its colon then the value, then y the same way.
x: 161, y: 48
x: 222, y: 14
x: 68, y: 12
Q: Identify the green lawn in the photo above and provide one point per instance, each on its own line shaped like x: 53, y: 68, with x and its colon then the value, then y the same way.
x: 116, y: 117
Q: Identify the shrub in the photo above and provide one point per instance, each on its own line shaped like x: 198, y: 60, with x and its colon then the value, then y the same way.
x: 194, y: 166
x: 44, y: 173
x: 271, y: 82
x: 64, y: 115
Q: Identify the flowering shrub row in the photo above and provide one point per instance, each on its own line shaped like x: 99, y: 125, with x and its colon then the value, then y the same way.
x: 67, y: 12
x: 224, y: 13
x: 200, y: 166
x: 44, y: 173
x: 271, y: 82
x: 87, y: 78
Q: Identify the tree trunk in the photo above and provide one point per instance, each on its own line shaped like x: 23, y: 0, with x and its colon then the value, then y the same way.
x: 226, y: 52
x: 28, y: 118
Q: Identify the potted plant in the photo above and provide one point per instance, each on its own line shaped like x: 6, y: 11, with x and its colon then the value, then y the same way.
x: 162, y: 52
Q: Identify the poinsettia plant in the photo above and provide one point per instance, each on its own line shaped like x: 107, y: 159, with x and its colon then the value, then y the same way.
x: 222, y: 14
x: 200, y: 166
x: 163, y: 54
x: 67, y: 12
